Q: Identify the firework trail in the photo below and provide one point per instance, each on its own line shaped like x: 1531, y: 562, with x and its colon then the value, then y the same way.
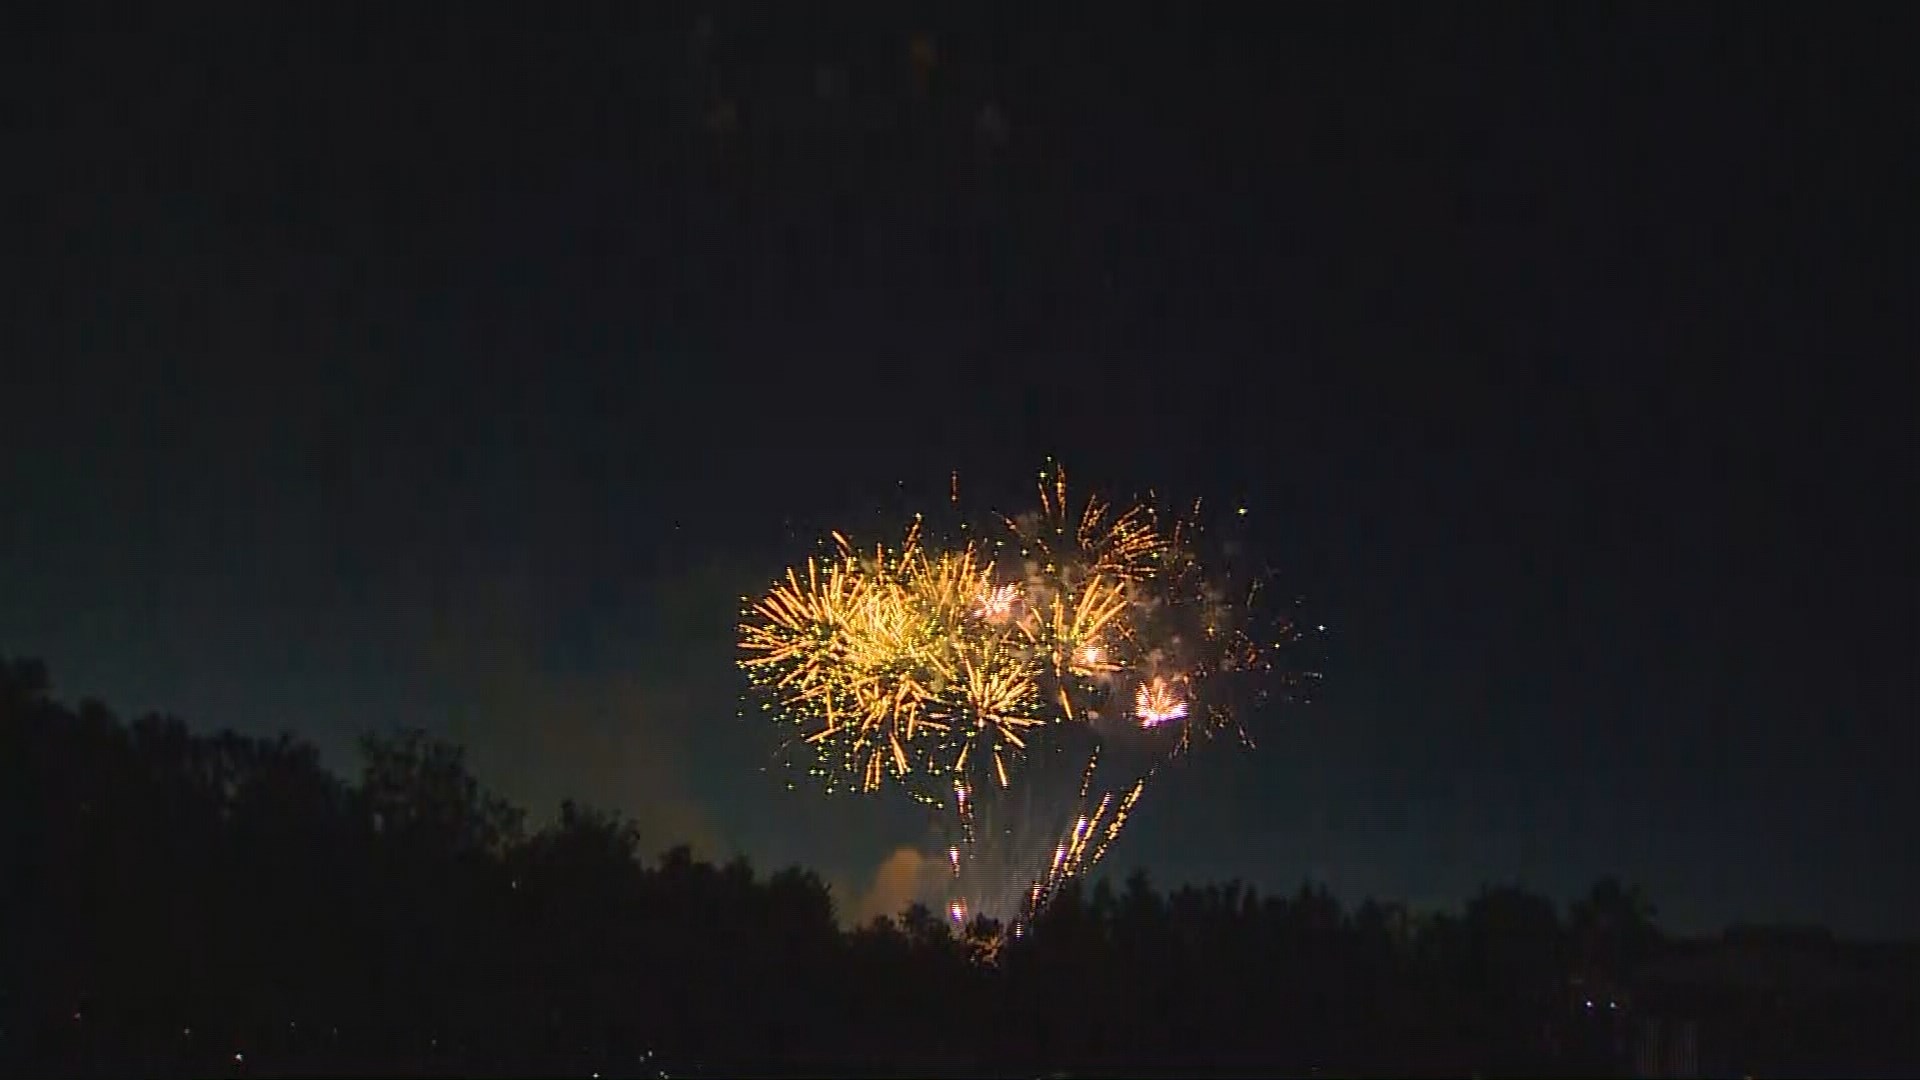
x: 1026, y: 681
x: 1010, y: 851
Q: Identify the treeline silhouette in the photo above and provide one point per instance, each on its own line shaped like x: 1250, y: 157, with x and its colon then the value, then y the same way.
x: 182, y: 903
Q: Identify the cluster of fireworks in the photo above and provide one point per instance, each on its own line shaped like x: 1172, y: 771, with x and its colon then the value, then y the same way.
x: 987, y: 678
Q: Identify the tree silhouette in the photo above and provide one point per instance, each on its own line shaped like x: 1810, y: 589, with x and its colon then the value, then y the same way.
x: 183, y: 903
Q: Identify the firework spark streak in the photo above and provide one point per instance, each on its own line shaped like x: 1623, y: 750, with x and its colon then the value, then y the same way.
x: 965, y: 673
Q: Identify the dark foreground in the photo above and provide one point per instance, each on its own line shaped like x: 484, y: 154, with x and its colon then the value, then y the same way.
x: 183, y: 904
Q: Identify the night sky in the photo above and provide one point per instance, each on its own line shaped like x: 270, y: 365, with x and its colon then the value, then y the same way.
x: 462, y: 371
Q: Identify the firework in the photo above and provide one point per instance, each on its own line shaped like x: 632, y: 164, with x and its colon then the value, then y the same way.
x: 1157, y: 703
x: 1125, y: 544
x: 1013, y: 849
x: 961, y: 673
x: 994, y: 603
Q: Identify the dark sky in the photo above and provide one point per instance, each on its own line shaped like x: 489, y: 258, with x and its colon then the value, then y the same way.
x: 461, y: 370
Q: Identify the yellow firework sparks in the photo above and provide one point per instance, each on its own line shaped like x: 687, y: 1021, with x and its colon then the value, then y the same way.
x: 1075, y: 621
x: 1124, y: 544
x: 805, y: 632
x: 834, y: 651
x: 990, y: 697
x: 881, y: 660
x: 938, y: 668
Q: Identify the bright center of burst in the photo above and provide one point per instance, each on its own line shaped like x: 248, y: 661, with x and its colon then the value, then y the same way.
x: 996, y: 603
x: 1158, y: 703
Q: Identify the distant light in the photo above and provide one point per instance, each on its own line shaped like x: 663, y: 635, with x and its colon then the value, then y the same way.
x: 1242, y: 511
x: 1322, y: 628
x: 239, y: 1058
